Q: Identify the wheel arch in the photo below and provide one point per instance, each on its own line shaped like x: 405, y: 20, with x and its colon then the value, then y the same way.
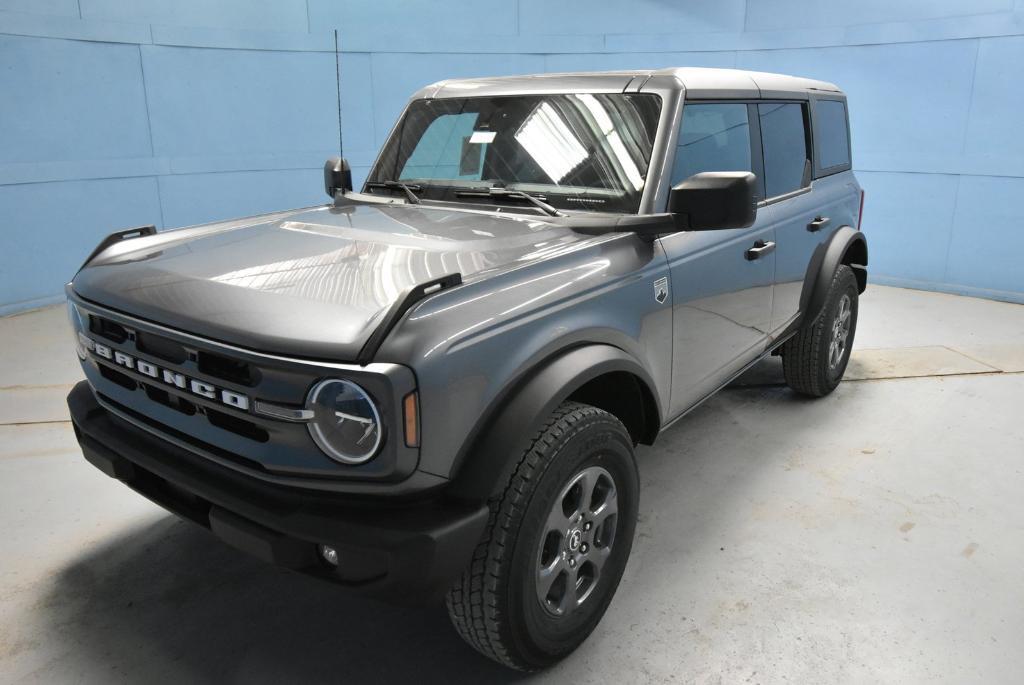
x: 598, y: 374
x: 846, y: 246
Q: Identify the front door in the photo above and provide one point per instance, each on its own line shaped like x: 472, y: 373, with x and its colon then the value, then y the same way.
x: 721, y: 281
x: 722, y: 305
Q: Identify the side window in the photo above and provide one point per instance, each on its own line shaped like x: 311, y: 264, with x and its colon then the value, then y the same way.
x: 787, y: 164
x: 712, y: 137
x: 832, y: 138
x: 442, y: 150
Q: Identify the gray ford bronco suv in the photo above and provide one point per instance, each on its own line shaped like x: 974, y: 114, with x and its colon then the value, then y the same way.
x: 434, y: 387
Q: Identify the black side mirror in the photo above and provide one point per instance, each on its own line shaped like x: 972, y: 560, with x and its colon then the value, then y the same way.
x: 337, y: 176
x: 714, y: 200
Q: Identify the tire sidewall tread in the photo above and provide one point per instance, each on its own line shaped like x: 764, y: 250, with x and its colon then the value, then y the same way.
x: 805, y: 355
x: 490, y: 605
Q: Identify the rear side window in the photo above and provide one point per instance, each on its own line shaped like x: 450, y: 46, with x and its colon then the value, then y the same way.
x: 832, y: 138
x: 712, y: 137
x: 787, y: 165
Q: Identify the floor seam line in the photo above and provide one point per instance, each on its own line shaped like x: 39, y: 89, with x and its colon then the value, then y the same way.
x: 975, y: 359
x: 993, y: 372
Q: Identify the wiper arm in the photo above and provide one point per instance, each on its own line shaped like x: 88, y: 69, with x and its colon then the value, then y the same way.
x: 409, y: 190
x: 506, y: 194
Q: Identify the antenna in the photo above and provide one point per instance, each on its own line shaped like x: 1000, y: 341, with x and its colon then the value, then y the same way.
x: 337, y: 81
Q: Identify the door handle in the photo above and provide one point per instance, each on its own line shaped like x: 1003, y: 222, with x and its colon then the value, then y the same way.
x: 760, y: 249
x: 819, y: 223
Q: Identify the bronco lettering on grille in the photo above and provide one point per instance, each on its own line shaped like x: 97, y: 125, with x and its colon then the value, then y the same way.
x: 168, y: 376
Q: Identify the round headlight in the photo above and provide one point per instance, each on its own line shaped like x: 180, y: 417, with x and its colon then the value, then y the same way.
x: 346, y: 424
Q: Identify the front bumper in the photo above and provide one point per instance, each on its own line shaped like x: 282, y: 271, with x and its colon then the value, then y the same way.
x: 401, y: 551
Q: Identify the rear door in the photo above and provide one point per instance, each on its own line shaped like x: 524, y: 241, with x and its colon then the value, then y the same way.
x: 794, y: 208
x: 721, y: 293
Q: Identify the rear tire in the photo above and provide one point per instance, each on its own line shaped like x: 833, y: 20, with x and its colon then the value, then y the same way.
x: 556, y: 544
x: 815, y: 359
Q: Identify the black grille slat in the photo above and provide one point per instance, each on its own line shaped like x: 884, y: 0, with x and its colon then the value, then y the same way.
x: 228, y: 422
x: 183, y: 437
x: 115, y: 376
x: 168, y: 400
x: 209, y: 363
x: 105, y: 328
x: 227, y: 369
x: 160, y: 347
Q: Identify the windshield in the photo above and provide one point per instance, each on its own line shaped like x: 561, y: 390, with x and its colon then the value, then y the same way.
x: 576, y: 151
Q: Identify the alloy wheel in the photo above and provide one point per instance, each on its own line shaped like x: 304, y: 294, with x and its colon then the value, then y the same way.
x: 840, y: 333
x: 577, y: 541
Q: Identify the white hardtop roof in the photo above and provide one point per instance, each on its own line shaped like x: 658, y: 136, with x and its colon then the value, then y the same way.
x: 699, y: 82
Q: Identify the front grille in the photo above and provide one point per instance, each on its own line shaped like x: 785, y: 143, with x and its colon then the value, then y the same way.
x: 182, y: 405
x: 203, y: 394
x: 160, y: 347
x: 180, y: 358
x: 180, y: 435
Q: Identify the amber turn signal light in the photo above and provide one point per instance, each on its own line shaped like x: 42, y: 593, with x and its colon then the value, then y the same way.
x: 412, y: 420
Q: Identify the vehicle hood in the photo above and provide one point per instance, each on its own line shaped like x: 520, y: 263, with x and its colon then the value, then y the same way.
x: 312, y: 283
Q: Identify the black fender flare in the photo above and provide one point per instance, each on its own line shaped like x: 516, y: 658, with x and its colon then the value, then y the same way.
x: 505, y: 429
x: 824, y: 262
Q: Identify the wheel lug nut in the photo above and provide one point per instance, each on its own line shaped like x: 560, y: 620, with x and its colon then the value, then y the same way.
x: 572, y: 562
x: 584, y: 548
x: 587, y: 525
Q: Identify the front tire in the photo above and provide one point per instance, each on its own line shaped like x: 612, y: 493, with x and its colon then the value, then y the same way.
x: 556, y: 544
x: 815, y: 359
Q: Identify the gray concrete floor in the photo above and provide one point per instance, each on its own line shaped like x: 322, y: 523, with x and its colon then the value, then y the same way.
x: 874, y: 535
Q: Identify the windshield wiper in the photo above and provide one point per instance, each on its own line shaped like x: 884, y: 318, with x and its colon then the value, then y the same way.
x: 409, y: 190
x: 506, y: 194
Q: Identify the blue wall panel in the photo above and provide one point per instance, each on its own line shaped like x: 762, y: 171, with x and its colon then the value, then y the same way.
x: 55, y: 7
x: 198, y: 198
x: 70, y: 100
x: 997, y: 106
x: 397, y: 75
x: 908, y: 221
x: 639, y: 60
x: 905, y: 99
x: 767, y: 15
x: 987, y: 227
x: 247, y: 101
x: 49, y: 229
x: 358, y: 107
x: 388, y: 19
x: 637, y: 16
x: 118, y: 113
x: 268, y: 15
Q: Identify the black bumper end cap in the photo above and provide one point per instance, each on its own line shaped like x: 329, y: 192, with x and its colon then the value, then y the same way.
x: 108, y: 462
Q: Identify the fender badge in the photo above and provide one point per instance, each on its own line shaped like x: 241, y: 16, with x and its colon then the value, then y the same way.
x: 661, y: 290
